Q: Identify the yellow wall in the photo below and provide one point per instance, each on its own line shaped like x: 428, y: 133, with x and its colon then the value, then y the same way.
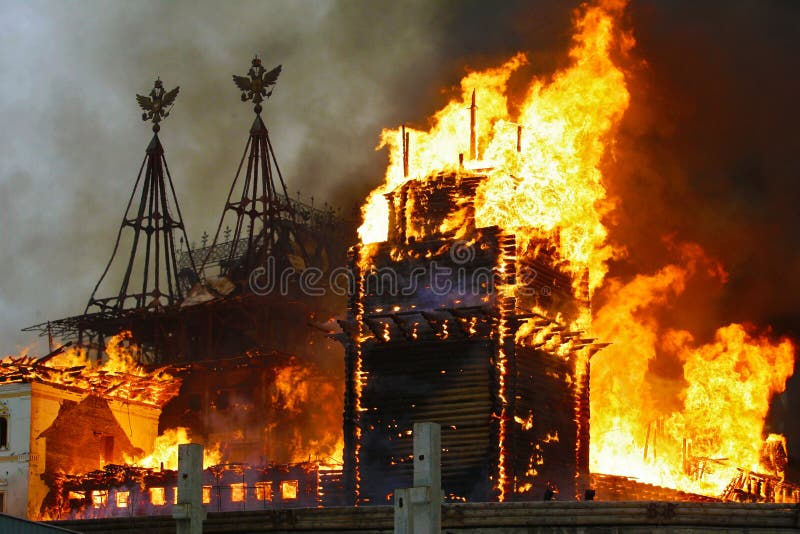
x: 45, y: 403
x: 140, y: 424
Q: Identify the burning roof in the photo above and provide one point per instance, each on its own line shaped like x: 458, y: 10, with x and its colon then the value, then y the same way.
x: 119, y: 377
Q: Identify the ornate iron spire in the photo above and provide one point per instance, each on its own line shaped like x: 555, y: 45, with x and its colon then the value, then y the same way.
x: 264, y: 221
x: 151, y: 277
x: 158, y: 105
x: 255, y: 87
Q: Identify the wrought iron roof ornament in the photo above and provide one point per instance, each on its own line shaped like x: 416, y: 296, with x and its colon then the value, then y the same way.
x: 151, y: 278
x: 255, y: 87
x: 158, y: 105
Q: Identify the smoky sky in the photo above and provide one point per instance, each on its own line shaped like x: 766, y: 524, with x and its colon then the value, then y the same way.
x: 707, y: 151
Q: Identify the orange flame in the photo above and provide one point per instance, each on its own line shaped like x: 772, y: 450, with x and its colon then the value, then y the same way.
x: 552, y: 188
x: 165, y: 451
x: 546, y: 185
x: 118, y: 376
x: 717, y: 407
x: 305, y: 397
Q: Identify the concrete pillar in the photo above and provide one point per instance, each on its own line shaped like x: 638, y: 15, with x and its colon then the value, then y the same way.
x: 403, y: 516
x: 418, y: 510
x: 189, y: 513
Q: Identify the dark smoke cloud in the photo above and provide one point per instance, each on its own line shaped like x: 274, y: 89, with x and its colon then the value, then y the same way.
x: 708, y: 150
x: 707, y: 154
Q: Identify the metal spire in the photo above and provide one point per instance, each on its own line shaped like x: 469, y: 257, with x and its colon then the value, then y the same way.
x: 264, y: 218
x: 151, y: 277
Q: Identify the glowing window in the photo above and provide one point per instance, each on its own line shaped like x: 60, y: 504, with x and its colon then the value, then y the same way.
x: 206, y: 494
x: 238, y: 492
x: 264, y: 491
x: 288, y: 490
x: 175, y: 495
x: 76, y: 495
x: 158, y: 497
x: 122, y: 499
x: 99, y: 498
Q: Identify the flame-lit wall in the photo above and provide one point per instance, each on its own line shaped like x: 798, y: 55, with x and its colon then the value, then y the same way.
x: 81, y: 432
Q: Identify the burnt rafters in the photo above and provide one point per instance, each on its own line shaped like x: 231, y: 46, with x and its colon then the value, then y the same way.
x: 445, y: 324
x: 573, y: 339
x: 410, y: 323
x: 151, y: 277
x: 427, y: 325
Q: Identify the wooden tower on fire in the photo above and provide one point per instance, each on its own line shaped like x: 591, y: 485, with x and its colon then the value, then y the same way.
x: 439, y: 345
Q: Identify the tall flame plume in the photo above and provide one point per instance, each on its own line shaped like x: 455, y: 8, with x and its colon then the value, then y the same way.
x: 544, y: 158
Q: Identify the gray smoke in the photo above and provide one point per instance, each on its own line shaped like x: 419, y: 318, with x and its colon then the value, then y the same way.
x: 73, y: 139
x: 710, y: 142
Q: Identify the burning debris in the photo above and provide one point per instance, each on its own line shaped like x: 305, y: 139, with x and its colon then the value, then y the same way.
x: 694, y: 432
x: 119, y: 377
x: 125, y: 490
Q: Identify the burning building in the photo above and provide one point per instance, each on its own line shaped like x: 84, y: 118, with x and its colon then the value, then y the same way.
x: 99, y: 447
x: 432, y: 337
x: 471, y: 305
x: 69, y: 415
x: 258, y: 382
x: 124, y: 490
x: 184, y: 303
x: 502, y: 363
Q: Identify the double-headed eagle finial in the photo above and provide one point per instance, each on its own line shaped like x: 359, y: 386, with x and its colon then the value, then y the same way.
x: 255, y: 86
x: 157, y: 106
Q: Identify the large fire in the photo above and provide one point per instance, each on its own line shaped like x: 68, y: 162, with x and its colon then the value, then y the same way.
x: 693, y: 432
x: 299, y: 394
x: 552, y: 187
x: 544, y: 157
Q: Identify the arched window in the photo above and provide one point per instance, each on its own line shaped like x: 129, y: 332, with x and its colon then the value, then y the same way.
x: 5, y: 415
x: 3, y: 431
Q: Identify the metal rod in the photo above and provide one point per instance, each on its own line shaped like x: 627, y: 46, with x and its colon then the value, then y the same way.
x: 404, y: 137
x: 473, y: 148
